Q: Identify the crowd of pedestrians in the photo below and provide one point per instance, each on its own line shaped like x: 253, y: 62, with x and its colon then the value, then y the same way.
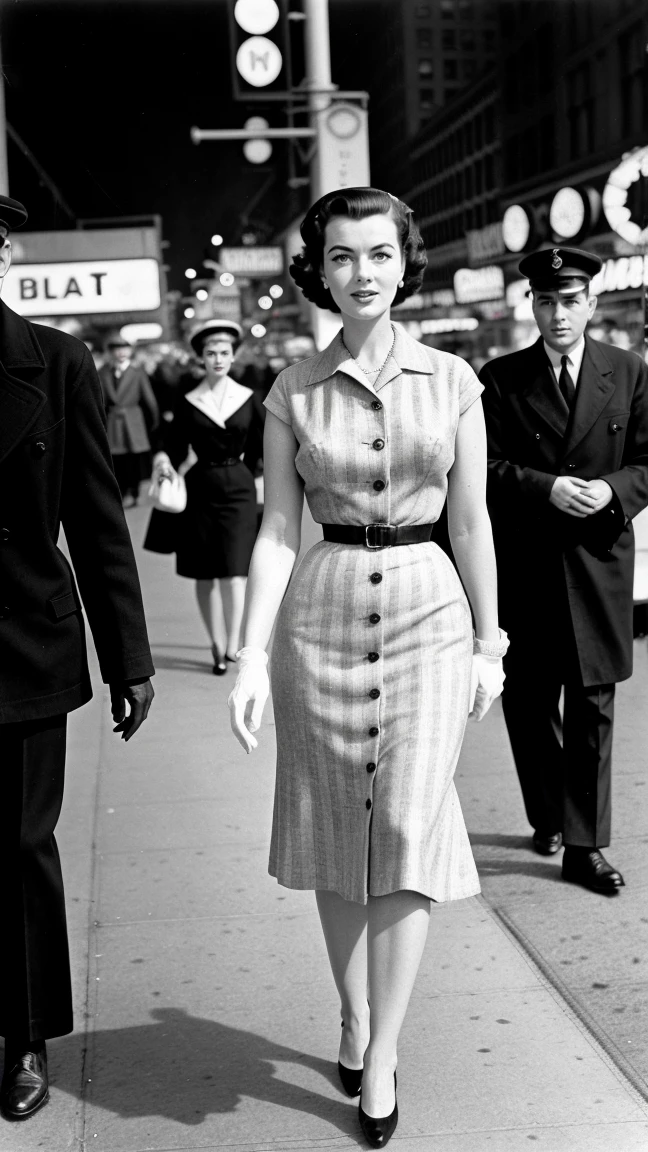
x: 384, y: 642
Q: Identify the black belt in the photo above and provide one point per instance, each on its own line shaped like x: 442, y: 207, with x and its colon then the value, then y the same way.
x: 375, y: 536
x: 220, y: 463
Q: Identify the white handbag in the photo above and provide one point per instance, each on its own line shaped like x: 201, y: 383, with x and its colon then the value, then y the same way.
x: 168, y: 490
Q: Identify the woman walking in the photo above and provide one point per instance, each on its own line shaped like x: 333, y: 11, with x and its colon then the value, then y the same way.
x: 374, y: 665
x: 214, y: 537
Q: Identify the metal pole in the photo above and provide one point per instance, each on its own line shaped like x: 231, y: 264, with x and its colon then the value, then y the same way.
x: 318, y: 80
x: 4, y: 171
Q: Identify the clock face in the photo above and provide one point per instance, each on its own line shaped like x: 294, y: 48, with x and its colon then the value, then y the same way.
x: 343, y: 122
x: 567, y: 213
x: 516, y: 227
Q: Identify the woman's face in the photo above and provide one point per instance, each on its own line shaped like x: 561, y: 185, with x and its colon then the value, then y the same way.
x: 217, y: 356
x: 362, y: 264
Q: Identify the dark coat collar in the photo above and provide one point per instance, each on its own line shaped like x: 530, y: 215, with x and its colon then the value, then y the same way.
x: 20, y: 400
x: 595, y: 386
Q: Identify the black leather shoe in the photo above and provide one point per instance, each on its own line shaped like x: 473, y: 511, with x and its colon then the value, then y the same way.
x: 25, y: 1086
x: 350, y: 1078
x: 378, y: 1130
x: 220, y: 664
x: 589, y: 868
x: 547, y: 843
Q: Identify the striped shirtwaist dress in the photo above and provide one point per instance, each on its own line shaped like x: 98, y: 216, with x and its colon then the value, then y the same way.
x: 371, y: 661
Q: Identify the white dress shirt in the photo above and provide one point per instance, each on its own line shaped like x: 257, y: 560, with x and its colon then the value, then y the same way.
x: 574, y: 360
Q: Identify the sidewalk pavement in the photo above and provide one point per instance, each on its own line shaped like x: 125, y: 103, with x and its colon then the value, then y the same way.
x: 206, y: 1014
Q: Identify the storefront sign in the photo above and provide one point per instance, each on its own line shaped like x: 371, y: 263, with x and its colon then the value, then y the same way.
x: 251, y: 261
x: 568, y: 213
x: 516, y: 227
x: 621, y: 274
x: 633, y: 167
x: 452, y: 324
x: 473, y: 284
x: 438, y: 298
x: 88, y: 286
x: 484, y: 243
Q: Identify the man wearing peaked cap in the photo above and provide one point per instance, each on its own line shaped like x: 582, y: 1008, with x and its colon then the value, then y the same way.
x: 567, y: 426
x: 54, y: 469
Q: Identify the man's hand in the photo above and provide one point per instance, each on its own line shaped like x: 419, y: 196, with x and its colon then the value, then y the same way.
x: 578, y: 497
x: 139, y: 697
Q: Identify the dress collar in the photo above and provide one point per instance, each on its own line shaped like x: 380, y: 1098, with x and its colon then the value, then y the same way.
x: 234, y: 398
x: 407, y: 354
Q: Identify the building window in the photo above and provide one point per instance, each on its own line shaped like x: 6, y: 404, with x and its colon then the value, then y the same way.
x: 426, y: 101
x: 448, y: 9
x: 469, y: 69
x: 425, y: 67
x: 448, y: 39
x: 466, y: 9
x: 449, y: 69
x: 631, y: 54
x: 467, y: 40
x: 424, y: 37
x: 423, y: 12
x: 580, y: 111
x: 489, y: 39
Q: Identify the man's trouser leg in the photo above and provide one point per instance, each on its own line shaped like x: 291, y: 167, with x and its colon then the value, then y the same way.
x: 35, y: 988
x: 587, y: 736
x: 530, y: 702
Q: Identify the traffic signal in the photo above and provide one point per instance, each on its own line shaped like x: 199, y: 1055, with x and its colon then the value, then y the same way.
x: 260, y: 60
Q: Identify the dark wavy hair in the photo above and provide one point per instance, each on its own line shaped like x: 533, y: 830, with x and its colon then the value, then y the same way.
x: 356, y: 203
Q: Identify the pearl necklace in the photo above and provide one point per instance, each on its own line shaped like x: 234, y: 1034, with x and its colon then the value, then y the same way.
x: 373, y: 371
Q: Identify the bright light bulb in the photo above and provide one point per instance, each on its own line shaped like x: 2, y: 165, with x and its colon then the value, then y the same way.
x: 190, y: 313
x: 257, y: 330
x: 226, y: 279
x: 275, y: 291
x: 265, y: 302
x: 217, y: 239
x: 202, y: 294
x: 190, y: 273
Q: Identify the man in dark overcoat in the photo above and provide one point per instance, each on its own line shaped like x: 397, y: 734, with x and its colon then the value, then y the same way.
x: 55, y: 469
x: 132, y: 415
x: 567, y: 425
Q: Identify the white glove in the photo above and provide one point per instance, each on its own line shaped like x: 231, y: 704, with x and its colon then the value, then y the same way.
x: 486, y: 683
x: 248, y: 696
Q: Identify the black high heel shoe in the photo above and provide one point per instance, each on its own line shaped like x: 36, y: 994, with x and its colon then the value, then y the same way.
x: 350, y: 1078
x: 220, y: 666
x: 378, y: 1130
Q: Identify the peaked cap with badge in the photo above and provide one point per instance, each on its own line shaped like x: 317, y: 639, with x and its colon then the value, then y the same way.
x: 13, y: 214
x: 564, y: 270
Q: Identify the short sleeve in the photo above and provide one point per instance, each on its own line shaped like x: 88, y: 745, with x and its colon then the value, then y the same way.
x: 277, y: 401
x: 470, y: 389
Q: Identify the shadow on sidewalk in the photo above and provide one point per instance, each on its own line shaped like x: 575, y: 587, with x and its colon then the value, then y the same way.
x: 494, y: 864
x: 185, y: 1068
x: 162, y: 659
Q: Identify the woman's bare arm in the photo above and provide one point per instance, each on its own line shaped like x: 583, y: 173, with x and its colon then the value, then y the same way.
x: 469, y: 524
x: 278, y: 542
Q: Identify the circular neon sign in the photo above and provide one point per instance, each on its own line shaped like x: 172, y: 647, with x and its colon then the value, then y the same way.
x: 567, y: 213
x: 633, y: 166
x: 516, y: 227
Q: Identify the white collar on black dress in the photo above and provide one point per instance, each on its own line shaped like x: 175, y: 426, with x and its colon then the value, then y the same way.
x: 234, y: 397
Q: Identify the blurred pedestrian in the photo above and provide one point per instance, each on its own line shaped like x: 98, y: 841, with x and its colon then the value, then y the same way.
x: 213, y: 538
x: 55, y: 469
x: 132, y: 414
x: 373, y: 650
x: 567, y: 423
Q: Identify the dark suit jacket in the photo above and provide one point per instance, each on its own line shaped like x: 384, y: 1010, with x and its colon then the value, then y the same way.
x: 541, y: 552
x: 130, y: 405
x: 55, y: 468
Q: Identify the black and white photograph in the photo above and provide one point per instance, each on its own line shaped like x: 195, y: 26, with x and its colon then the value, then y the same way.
x: 323, y: 575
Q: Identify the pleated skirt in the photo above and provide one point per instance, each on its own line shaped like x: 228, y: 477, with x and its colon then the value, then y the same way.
x: 370, y: 675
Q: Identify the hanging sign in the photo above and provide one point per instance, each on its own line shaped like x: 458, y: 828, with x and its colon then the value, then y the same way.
x: 343, y: 145
x: 84, y: 286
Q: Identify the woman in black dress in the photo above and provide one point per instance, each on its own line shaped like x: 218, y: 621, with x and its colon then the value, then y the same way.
x: 214, y: 537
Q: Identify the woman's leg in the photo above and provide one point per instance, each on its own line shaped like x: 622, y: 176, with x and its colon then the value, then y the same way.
x: 396, y: 935
x: 233, y: 598
x: 344, y: 924
x: 211, y: 610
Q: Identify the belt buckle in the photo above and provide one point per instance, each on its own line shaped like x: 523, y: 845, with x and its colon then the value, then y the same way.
x: 378, y: 529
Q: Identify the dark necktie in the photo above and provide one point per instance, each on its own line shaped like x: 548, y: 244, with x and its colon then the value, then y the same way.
x: 565, y: 382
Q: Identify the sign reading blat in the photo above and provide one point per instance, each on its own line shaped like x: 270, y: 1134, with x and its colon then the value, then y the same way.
x: 84, y: 286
